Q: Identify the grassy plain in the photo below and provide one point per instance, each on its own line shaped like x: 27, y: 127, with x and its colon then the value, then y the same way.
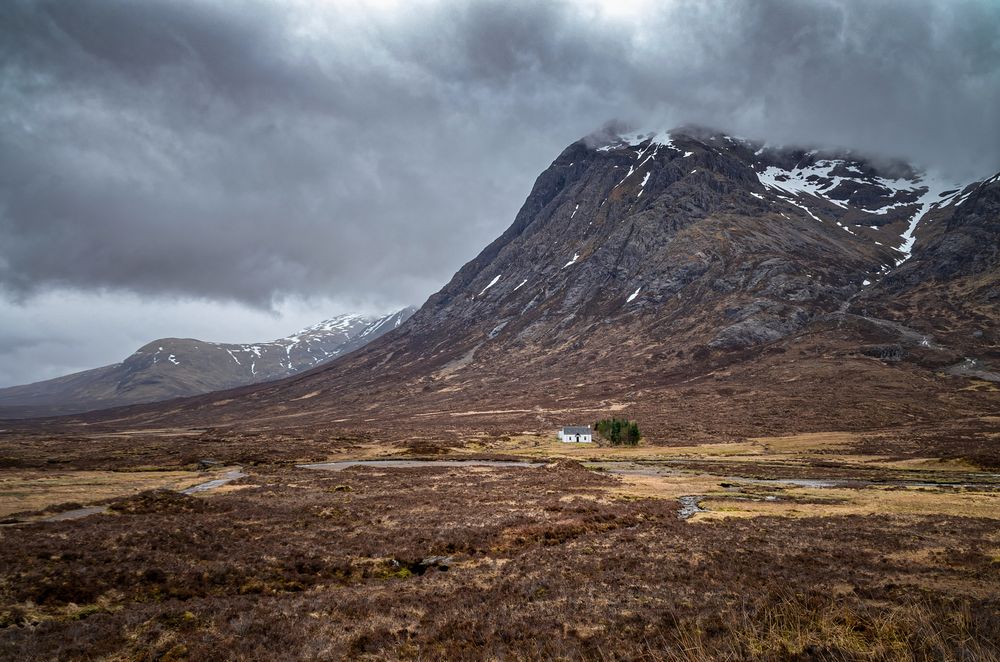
x: 35, y: 490
x: 583, y: 558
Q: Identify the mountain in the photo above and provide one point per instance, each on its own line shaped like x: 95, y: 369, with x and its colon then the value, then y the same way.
x: 172, y: 367
x: 712, y: 286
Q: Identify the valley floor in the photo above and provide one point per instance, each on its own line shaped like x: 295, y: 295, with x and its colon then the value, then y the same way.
x: 831, y: 545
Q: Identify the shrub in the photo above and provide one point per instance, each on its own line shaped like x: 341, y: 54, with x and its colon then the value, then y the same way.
x: 620, y: 432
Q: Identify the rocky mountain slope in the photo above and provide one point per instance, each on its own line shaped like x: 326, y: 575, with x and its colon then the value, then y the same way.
x: 710, y: 285
x: 172, y: 367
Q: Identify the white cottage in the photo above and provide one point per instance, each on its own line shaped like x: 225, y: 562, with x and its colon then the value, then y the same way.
x: 576, y: 434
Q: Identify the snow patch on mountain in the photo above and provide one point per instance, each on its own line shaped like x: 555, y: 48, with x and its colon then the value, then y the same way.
x: 637, y: 138
x: 814, y: 180
x: 934, y: 196
x: 491, y: 284
x: 820, y: 180
x: 642, y: 186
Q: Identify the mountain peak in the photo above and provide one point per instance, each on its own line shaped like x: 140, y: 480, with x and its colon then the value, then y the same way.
x: 627, y: 223
x: 616, y: 134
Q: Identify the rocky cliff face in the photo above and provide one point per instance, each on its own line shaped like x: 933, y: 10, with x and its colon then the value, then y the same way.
x: 703, y: 282
x: 950, y: 288
x: 699, y: 238
x: 173, y: 367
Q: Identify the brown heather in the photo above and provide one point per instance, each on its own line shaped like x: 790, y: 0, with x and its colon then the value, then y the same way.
x: 546, y: 563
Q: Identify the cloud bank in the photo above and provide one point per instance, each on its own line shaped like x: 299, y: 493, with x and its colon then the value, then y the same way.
x: 256, y: 151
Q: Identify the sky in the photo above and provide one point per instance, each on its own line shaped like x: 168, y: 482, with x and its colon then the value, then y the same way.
x: 234, y: 170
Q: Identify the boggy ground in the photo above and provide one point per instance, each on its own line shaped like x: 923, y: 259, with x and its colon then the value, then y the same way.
x: 539, y: 563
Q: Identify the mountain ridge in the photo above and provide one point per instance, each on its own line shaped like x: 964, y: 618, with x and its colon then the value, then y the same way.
x: 174, y: 367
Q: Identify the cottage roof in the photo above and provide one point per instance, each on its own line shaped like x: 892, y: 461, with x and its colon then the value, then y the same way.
x: 570, y: 429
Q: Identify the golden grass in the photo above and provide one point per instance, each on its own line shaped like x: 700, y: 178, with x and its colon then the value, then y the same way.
x: 980, y: 385
x: 367, y: 451
x: 832, y: 502
x: 155, y: 432
x: 794, y: 450
x: 804, y: 443
x: 37, y: 490
x: 929, y: 464
x: 794, y: 501
x: 667, y: 487
x: 550, y: 446
x: 790, y: 627
x: 800, y: 446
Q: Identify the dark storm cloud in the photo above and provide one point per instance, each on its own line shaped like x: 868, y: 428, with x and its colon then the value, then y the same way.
x: 250, y: 151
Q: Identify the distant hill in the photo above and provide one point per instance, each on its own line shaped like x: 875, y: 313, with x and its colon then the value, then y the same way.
x: 173, y: 367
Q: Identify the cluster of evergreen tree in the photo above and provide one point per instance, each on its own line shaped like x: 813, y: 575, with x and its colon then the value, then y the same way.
x: 619, y: 431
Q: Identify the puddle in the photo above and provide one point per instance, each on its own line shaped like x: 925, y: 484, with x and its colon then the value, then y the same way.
x: 76, y: 513
x: 224, y: 479
x: 409, y: 464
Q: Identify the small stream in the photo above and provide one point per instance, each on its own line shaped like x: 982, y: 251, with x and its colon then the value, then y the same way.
x: 689, y: 506
x: 228, y: 477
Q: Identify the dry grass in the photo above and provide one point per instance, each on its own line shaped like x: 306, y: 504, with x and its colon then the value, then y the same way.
x: 791, y: 627
x: 799, y: 449
x: 981, y: 385
x: 809, y: 442
x: 743, y: 499
x: 667, y: 487
x: 22, y: 491
x: 547, y: 563
x: 834, y: 502
x: 551, y: 563
x: 919, y: 464
x: 549, y: 446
